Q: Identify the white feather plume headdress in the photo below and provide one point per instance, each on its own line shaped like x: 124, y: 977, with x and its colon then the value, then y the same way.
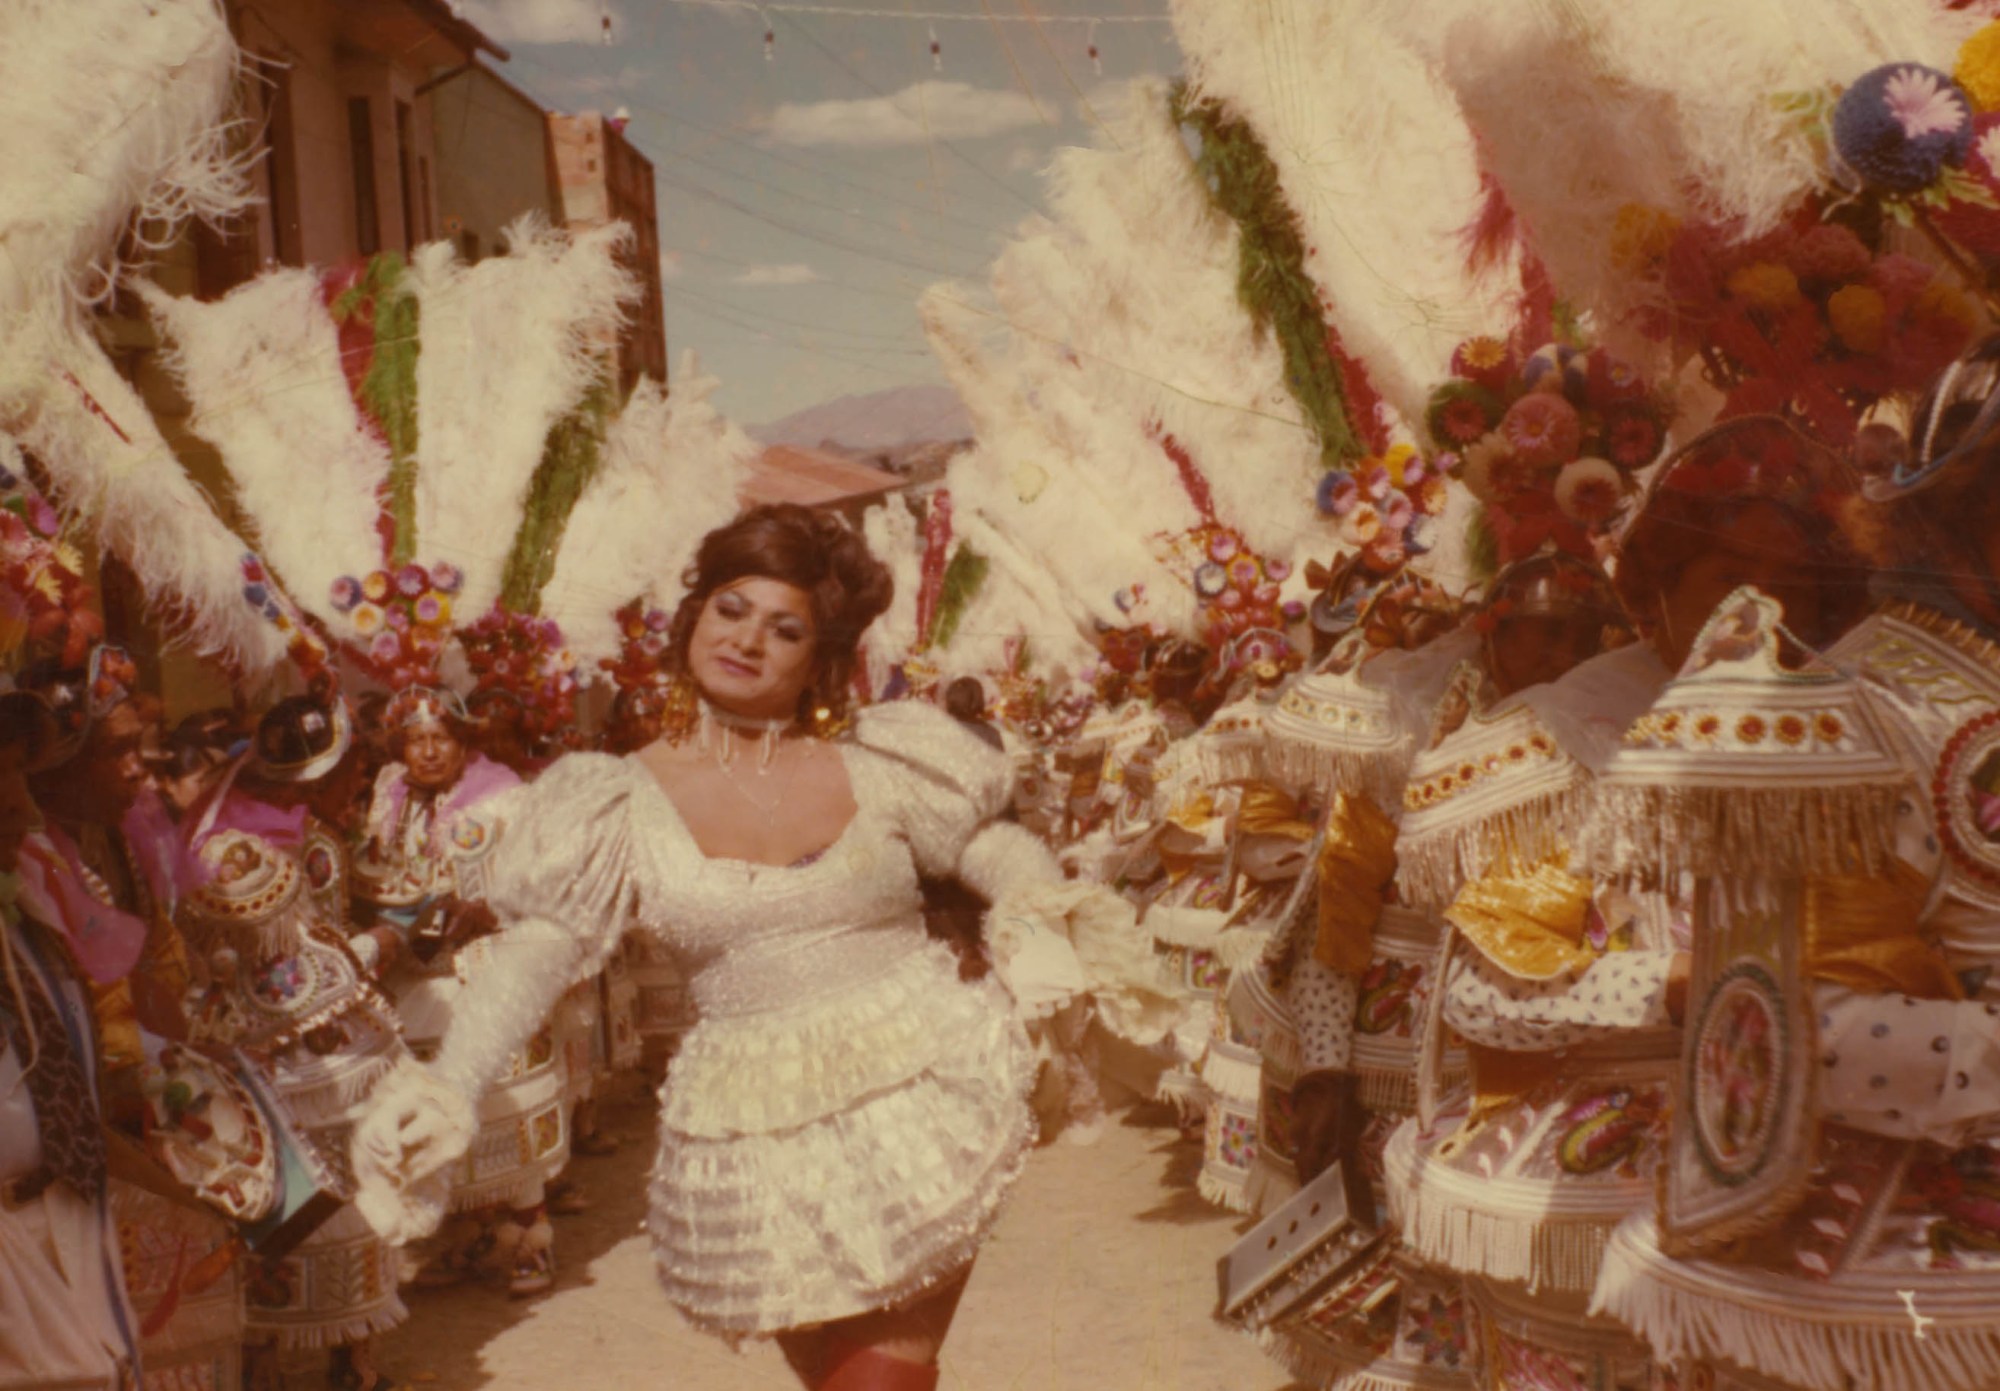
x: 462, y: 460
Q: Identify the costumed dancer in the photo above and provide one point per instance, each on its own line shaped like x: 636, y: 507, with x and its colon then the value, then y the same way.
x: 286, y: 986
x: 1821, y: 1220
x: 1272, y: 840
x: 110, y: 860
x: 68, y: 1322
x: 1488, y: 813
x: 425, y: 834
x: 1335, y: 999
x: 842, y: 1122
x: 1333, y: 1007
x: 1568, y: 1006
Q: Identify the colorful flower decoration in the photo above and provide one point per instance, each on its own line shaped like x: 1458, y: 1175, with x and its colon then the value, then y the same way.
x: 1808, y: 321
x: 1382, y: 506
x: 1899, y: 125
x: 302, y: 642
x: 397, y: 624
x: 642, y: 651
x: 44, y: 603
x: 1564, y: 435
x: 524, y: 656
x: 1240, y: 593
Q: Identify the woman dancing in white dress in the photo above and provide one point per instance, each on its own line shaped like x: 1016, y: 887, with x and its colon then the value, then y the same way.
x: 841, y: 1125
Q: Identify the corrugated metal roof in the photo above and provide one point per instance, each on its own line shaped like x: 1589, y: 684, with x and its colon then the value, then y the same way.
x: 786, y: 473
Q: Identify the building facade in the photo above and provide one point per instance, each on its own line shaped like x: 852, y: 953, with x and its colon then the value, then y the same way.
x: 494, y: 161
x: 601, y: 178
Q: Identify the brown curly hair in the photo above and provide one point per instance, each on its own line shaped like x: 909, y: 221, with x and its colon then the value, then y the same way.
x: 814, y: 551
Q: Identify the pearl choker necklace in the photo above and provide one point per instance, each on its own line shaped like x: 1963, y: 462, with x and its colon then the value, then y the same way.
x: 723, y: 744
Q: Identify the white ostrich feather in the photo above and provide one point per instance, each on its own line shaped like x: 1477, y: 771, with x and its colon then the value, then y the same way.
x: 508, y: 347
x: 1110, y: 323
x: 1377, y: 162
x: 111, y: 117
x: 261, y: 368
x: 108, y: 461
x: 1187, y: 356
x: 1044, y: 475
x: 1003, y: 610
x: 1720, y: 63
x: 1589, y: 107
x: 890, y: 529
x: 671, y: 471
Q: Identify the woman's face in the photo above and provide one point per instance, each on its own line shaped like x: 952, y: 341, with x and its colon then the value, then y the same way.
x: 752, y: 650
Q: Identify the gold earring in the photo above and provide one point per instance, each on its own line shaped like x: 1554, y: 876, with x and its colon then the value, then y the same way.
x: 680, y: 711
x: 830, y: 721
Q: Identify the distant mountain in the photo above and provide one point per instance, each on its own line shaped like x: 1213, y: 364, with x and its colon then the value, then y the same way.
x: 881, y: 420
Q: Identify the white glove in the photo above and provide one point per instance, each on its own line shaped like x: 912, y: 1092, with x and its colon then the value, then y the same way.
x: 407, y: 1132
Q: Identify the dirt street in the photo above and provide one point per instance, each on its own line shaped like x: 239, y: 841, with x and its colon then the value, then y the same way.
x: 1100, y: 1278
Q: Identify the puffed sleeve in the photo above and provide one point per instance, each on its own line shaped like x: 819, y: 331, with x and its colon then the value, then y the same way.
x: 1050, y: 940
x: 553, y: 862
x: 552, y: 859
x: 941, y: 783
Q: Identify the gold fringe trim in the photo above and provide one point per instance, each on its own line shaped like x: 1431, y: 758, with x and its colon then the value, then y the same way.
x: 1444, y: 1222
x: 1432, y: 866
x: 327, y: 1104
x: 1326, y: 769
x: 1236, y: 761
x: 1827, y: 1342
x: 337, y: 1333
x: 1232, y: 1193
x: 1653, y: 834
x: 1232, y: 1073
x: 1388, y: 1093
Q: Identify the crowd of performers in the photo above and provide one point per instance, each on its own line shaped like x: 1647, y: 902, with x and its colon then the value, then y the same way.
x: 1434, y: 908
x: 1426, y: 908
x: 1604, y: 959
x: 223, y: 933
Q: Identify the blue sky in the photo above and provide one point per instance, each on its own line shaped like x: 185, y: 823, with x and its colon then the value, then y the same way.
x: 806, y: 200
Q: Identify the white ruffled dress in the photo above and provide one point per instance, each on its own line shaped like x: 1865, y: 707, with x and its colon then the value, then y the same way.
x: 841, y: 1125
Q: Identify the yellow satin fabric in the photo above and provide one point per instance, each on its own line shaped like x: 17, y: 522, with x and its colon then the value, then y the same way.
x: 1860, y: 932
x: 1266, y: 811
x: 1357, y: 863
x: 1529, y: 923
x: 1500, y: 1076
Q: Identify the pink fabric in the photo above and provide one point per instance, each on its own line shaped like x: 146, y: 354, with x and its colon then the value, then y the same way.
x: 157, y: 846
x: 105, y: 941
x: 284, y: 827
x: 482, y: 778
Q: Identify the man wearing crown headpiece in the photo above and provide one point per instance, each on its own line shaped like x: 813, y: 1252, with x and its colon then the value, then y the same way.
x: 416, y: 880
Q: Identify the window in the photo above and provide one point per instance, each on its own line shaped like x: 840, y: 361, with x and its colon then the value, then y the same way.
x: 361, y: 137
x: 424, y: 195
x: 281, y: 166
x: 405, y: 185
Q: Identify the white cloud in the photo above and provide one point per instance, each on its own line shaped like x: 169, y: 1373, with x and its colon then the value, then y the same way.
x: 790, y: 273
x: 1109, y: 100
x: 1025, y: 159
x: 541, y: 21
x: 921, y: 112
